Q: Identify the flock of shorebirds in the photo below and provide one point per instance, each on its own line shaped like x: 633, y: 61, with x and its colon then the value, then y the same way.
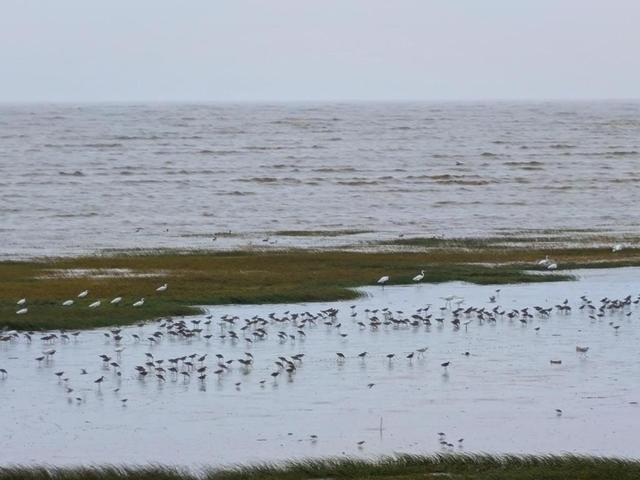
x: 286, y: 328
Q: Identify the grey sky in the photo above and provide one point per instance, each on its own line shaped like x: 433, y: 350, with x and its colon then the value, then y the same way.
x: 160, y: 50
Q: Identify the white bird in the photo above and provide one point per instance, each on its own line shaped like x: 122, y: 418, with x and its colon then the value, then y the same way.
x: 383, y: 280
x: 95, y: 304
x: 116, y: 300
x: 545, y: 261
x: 419, y: 277
x: 617, y: 248
x: 67, y: 303
x: 161, y: 288
x: 22, y: 311
x: 552, y: 266
x: 22, y: 301
x: 83, y: 294
x: 139, y: 303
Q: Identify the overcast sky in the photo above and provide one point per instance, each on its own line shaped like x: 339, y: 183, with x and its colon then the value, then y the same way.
x: 161, y: 50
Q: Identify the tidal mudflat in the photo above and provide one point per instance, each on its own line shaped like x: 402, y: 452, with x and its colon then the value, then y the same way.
x: 499, y: 393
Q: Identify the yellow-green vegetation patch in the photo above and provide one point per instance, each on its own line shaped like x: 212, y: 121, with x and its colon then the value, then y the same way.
x: 251, y: 277
x: 528, y: 242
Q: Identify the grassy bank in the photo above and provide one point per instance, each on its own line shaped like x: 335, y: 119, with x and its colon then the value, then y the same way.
x: 402, y: 467
x: 199, y: 278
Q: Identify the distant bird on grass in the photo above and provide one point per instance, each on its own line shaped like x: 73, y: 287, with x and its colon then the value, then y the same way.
x: 139, y: 303
x: 83, y: 294
x: 162, y: 288
x: 383, y: 280
x: 419, y: 277
x: 545, y: 261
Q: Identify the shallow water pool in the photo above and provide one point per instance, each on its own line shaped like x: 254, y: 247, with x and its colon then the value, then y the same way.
x: 501, y: 397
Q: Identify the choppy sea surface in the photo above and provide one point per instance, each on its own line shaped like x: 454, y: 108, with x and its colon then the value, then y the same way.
x: 500, y: 392
x: 83, y: 178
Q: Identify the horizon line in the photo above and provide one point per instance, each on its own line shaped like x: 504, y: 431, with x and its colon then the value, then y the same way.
x: 4, y: 102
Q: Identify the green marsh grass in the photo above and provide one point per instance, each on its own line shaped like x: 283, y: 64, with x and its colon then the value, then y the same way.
x: 253, y: 277
x: 398, y: 467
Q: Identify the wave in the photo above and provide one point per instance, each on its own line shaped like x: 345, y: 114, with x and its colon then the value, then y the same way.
x: 624, y: 180
x: 76, y: 215
x: 102, y: 145
x: 444, y: 155
x: 622, y: 153
x: 532, y: 165
x: 206, y: 151
x: 470, y: 183
x: 269, y: 180
x: 237, y: 193
x: 358, y: 183
x: 465, y: 180
x: 561, y: 146
x: 334, y: 170
x: 448, y: 203
x: 136, y: 137
x: 262, y: 148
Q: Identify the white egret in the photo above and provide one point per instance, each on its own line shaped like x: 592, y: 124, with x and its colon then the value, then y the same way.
x: 617, y: 248
x: 383, y: 280
x: 139, y: 303
x: 545, y: 261
x: 22, y: 311
x: 67, y: 303
x: 552, y: 266
x: 116, y: 301
x: 95, y: 304
x: 162, y: 288
x: 419, y: 277
x: 22, y: 301
x: 83, y: 294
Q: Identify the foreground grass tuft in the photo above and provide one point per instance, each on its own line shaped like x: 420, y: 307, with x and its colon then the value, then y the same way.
x: 399, y: 467
x: 251, y: 277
